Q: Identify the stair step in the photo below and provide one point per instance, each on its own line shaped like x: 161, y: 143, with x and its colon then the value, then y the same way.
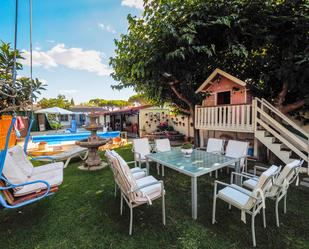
x: 306, y: 179
x: 304, y: 184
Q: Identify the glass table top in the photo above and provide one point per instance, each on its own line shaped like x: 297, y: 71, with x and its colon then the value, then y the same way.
x: 199, y: 163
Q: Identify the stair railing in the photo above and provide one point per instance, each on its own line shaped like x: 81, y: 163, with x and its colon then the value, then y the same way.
x: 267, y: 116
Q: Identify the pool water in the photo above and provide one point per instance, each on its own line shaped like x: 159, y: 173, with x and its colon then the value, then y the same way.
x: 61, y: 138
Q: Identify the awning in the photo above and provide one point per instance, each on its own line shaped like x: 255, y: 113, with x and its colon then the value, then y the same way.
x: 54, y: 110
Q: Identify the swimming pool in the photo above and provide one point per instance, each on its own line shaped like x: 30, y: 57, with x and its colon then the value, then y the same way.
x: 60, y: 138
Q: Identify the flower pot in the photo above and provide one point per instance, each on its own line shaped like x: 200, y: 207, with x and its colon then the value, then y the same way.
x: 187, y: 152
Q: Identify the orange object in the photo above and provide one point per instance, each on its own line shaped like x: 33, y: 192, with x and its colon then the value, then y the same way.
x: 117, y: 140
x: 5, y: 122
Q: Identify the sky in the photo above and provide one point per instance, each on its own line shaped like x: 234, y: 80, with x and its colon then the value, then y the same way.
x: 72, y: 43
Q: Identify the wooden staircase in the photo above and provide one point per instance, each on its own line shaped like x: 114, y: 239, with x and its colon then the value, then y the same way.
x: 279, y: 134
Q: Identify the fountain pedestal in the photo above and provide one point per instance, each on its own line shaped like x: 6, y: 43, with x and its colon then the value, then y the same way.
x: 93, y: 142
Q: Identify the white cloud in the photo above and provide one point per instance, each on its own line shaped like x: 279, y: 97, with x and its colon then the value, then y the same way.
x: 107, y: 28
x: 133, y: 3
x: 74, y: 58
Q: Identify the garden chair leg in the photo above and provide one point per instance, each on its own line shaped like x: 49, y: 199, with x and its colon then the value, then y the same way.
x: 277, y: 212
x: 253, y: 229
x: 214, y: 205
x: 264, y: 218
x: 284, y: 207
x: 163, y: 210
x: 131, y: 220
x: 121, y: 204
x: 162, y: 170
x: 216, y: 174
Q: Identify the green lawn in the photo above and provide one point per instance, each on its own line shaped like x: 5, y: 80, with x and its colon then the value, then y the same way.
x: 85, y: 214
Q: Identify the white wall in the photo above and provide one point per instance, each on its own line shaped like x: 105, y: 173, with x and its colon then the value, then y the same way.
x: 183, y: 126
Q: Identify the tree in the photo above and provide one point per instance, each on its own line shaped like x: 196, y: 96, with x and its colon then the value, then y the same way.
x: 15, y: 96
x: 72, y: 102
x: 109, y: 103
x: 139, y: 98
x: 60, y: 101
x: 169, y: 52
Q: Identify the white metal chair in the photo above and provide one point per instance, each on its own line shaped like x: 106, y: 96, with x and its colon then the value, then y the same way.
x: 281, y: 184
x: 141, y: 148
x: 250, y: 202
x: 162, y: 145
x: 237, y: 149
x: 214, y: 145
x: 137, y: 172
x: 136, y: 192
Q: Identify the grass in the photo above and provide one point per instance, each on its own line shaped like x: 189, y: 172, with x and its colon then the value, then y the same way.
x: 85, y: 214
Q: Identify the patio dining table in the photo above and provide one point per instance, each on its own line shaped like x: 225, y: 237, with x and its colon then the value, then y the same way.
x: 198, y: 164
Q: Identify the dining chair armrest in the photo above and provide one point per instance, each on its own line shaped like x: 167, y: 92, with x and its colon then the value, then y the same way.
x: 242, y: 175
x: 238, y: 189
x: 139, y: 155
x: 260, y: 168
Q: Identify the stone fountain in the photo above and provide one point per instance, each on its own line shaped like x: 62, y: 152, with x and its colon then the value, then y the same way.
x: 93, y: 142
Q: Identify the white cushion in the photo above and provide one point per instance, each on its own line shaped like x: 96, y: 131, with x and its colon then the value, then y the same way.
x: 54, y: 178
x: 163, y: 145
x: 286, y: 172
x: 235, y: 197
x: 251, y: 183
x: 75, y: 151
x: 47, y: 168
x: 265, y: 177
x: 12, y: 172
x: 139, y: 174
x: 21, y: 159
x: 153, y: 190
x: 142, y: 147
x: 214, y: 145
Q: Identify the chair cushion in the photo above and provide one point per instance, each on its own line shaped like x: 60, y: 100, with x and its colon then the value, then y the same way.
x: 235, y: 196
x: 152, y: 191
x: 54, y: 178
x: 251, y: 183
x: 47, y: 168
x: 67, y: 154
x: 163, y: 145
x: 12, y: 172
x: 137, y: 174
x: 21, y: 160
x: 142, y: 147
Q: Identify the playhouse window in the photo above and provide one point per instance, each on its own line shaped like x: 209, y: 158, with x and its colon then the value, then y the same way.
x: 224, y: 98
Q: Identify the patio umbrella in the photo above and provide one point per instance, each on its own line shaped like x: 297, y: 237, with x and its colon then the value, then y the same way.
x: 54, y: 110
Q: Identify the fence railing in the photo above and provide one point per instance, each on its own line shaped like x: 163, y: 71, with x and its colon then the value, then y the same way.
x: 239, y: 118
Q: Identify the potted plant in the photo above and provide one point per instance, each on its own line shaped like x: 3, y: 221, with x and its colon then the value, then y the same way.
x: 187, y: 149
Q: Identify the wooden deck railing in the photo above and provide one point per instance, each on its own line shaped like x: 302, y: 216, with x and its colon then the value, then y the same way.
x: 238, y: 118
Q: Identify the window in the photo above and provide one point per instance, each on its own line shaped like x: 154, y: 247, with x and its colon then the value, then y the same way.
x: 64, y: 118
x: 224, y: 98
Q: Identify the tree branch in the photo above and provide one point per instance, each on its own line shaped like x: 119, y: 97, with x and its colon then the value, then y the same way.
x: 281, y: 96
x: 291, y: 107
x: 180, y: 95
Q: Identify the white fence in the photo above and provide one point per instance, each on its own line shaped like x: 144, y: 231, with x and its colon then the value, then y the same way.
x: 238, y: 118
